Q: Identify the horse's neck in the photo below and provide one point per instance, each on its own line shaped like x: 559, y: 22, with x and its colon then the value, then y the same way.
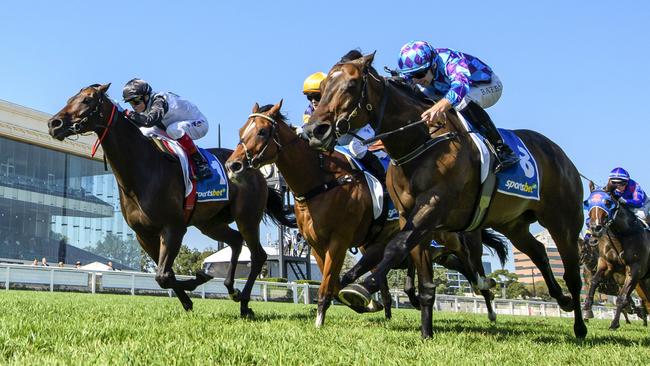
x: 128, y: 152
x: 298, y: 163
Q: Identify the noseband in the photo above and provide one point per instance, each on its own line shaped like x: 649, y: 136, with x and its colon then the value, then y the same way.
x: 342, y: 125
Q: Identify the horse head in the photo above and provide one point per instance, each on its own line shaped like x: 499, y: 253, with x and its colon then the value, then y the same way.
x: 602, y: 209
x: 258, y: 140
x: 345, y: 104
x: 84, y: 112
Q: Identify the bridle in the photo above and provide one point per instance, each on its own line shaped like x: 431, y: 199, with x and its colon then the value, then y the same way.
x: 251, y: 161
x: 342, y: 125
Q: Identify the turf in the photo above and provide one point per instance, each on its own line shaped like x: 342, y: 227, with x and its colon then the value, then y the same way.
x: 66, y: 328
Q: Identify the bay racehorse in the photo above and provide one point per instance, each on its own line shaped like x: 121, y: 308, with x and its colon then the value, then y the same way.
x: 435, y: 180
x: 152, y: 194
x: 610, y: 282
x: 624, y: 248
x: 334, y: 208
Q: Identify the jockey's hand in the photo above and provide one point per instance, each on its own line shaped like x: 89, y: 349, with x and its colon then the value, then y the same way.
x: 622, y: 201
x: 437, y: 112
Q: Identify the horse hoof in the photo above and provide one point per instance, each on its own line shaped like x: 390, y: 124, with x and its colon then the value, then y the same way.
x: 614, y: 326
x: 235, y: 296
x: 188, y: 306
x: 374, y: 306
x: 355, y: 295
x: 588, y: 314
x: 247, y: 314
x: 492, y: 317
x: 320, y: 320
x: 580, y: 330
x: 566, y: 303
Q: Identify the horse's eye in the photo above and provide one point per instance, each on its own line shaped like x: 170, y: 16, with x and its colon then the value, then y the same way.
x: 262, y: 133
x: 87, y: 100
x: 350, y: 85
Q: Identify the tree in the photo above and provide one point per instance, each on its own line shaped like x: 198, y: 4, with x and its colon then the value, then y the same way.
x: 190, y: 261
x: 516, y: 290
x: 126, y: 252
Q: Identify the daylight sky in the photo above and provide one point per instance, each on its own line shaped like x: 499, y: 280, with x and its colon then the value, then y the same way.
x: 575, y: 71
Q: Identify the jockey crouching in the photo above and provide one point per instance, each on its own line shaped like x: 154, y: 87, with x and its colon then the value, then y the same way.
x: 181, y: 119
x: 311, y: 89
x: 629, y: 193
x: 460, y: 81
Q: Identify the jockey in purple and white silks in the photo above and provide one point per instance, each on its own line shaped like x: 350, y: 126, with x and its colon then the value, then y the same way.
x: 182, y: 120
x: 311, y: 89
x: 629, y: 192
x: 460, y: 81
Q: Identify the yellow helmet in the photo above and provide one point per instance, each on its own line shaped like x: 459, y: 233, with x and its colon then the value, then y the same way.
x: 312, y: 83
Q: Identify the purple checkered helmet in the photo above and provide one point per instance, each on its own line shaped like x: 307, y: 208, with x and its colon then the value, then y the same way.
x: 415, y: 56
x: 619, y: 174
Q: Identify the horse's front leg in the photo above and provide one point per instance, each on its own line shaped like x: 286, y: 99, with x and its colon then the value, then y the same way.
x: 587, y: 313
x: 170, y: 244
x: 631, y: 279
x: 330, y: 285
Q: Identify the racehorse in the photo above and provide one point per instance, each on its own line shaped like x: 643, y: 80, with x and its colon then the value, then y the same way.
x: 435, y: 180
x: 152, y: 194
x: 333, y: 207
x: 626, y: 250
x: 609, y: 284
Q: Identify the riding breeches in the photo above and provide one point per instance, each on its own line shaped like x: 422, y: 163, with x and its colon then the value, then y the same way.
x: 194, y: 129
x: 485, y: 95
x: 357, y: 149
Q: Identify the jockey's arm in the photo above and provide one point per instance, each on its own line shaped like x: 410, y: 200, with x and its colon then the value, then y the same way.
x: 154, y: 116
x: 638, y: 198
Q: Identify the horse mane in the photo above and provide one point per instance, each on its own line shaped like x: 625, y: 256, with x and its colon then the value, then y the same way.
x: 265, y: 108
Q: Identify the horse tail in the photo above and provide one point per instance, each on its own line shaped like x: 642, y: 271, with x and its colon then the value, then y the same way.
x: 275, y: 210
x: 496, y: 243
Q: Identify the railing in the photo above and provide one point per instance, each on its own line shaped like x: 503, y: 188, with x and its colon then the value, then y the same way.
x: 71, y: 279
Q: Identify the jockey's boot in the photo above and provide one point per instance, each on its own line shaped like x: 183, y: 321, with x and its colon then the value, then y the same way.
x: 479, y: 118
x: 374, y: 166
x: 202, y: 170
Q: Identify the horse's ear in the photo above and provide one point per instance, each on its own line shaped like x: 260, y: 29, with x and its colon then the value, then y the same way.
x: 103, y: 88
x: 592, y: 186
x: 367, y: 59
x: 256, y: 108
x: 275, y: 109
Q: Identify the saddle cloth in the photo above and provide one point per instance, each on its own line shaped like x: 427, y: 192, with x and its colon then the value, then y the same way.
x: 215, y: 188
x: 376, y: 190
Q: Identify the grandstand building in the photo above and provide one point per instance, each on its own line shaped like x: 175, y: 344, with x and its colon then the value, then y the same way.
x: 526, y: 269
x: 55, y: 200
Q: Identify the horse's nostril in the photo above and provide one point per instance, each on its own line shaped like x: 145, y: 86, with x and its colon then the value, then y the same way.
x: 235, y: 166
x: 56, y: 123
x: 322, y: 130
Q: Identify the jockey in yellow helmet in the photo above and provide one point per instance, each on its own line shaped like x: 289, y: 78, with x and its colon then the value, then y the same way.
x: 311, y: 88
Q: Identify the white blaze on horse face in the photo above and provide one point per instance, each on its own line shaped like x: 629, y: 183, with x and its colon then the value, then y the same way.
x: 248, y: 129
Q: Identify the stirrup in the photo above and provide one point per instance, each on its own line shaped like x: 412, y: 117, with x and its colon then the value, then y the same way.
x: 505, y: 162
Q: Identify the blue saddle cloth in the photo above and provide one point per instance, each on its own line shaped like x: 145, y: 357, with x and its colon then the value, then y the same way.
x: 214, y: 188
x: 521, y: 179
x: 392, y: 211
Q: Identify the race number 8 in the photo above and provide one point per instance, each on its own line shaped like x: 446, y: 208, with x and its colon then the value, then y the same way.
x: 526, y: 164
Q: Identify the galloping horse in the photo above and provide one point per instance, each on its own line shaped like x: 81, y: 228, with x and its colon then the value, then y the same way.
x: 435, y: 180
x: 333, y: 206
x: 626, y: 250
x: 610, y: 283
x: 152, y: 194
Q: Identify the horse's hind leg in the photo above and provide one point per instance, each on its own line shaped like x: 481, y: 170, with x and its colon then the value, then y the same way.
x: 565, y: 231
x: 222, y: 232
x: 426, y: 287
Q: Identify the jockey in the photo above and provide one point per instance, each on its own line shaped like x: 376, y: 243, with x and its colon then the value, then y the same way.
x: 181, y: 119
x: 460, y: 81
x: 629, y: 192
x: 311, y: 88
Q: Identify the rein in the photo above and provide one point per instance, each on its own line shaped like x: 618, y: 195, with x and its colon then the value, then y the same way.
x: 273, y: 136
x: 100, y: 139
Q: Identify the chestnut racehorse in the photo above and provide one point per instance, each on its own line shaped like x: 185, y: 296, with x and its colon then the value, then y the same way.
x: 435, y: 181
x: 333, y: 207
x: 152, y: 194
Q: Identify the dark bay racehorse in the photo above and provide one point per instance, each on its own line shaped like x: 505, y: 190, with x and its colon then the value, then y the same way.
x: 152, y: 194
x: 437, y: 179
x: 610, y: 282
x: 338, y: 217
x: 625, y: 250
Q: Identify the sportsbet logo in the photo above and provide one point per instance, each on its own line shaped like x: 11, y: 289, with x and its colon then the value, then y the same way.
x: 523, y: 187
x: 212, y: 193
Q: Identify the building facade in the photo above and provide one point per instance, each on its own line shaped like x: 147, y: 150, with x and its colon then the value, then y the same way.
x: 526, y: 269
x: 55, y: 200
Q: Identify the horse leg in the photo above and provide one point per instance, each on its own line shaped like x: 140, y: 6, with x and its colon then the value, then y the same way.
x: 223, y: 232
x: 330, y: 285
x: 409, y: 283
x: 631, y: 279
x: 566, y: 234
x: 251, y: 234
x: 595, y: 280
x: 426, y: 287
x: 386, y: 301
x: 627, y: 319
x: 372, y: 254
x: 151, y: 244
